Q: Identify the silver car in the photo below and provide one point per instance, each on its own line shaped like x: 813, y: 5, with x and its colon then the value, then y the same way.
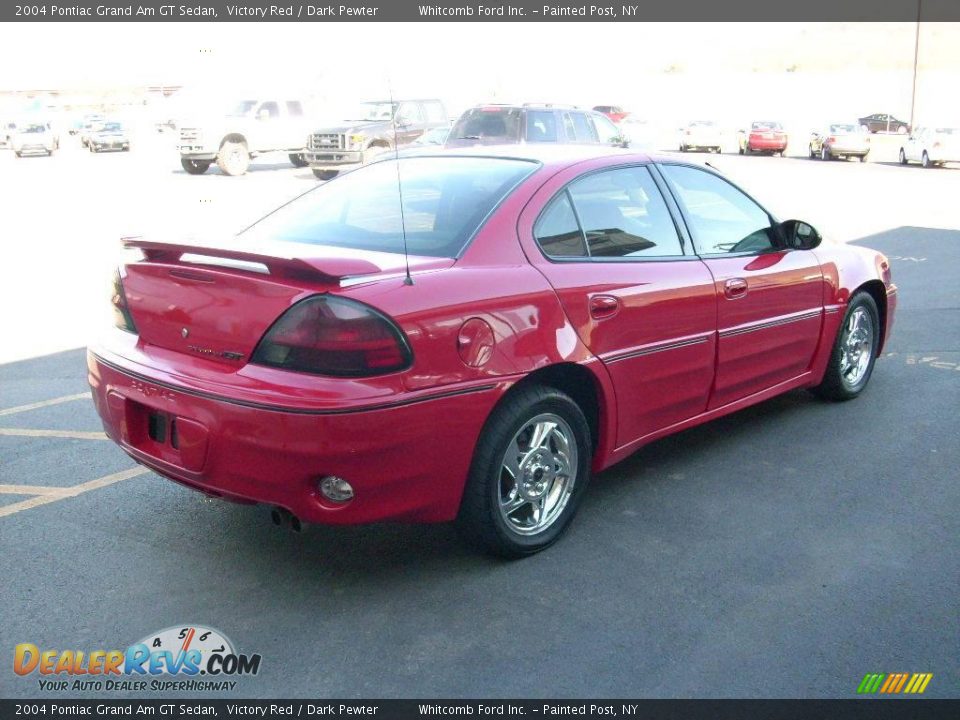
x: 840, y: 140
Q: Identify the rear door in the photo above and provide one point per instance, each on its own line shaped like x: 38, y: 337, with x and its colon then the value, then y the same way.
x: 607, y: 243
x: 769, y: 299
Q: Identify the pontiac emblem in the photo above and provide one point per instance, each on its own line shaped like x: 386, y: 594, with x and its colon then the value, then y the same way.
x: 184, y: 333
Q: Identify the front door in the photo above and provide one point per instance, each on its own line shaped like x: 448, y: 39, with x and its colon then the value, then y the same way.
x: 769, y: 299
x: 611, y: 250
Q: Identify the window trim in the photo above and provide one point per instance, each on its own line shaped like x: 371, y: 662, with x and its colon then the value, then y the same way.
x: 565, y: 189
x: 774, y: 222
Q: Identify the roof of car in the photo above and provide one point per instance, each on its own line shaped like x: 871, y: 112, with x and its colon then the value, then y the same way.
x: 553, y: 155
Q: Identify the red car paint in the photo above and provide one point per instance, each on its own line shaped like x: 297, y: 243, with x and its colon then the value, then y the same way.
x: 768, y: 137
x: 663, y: 345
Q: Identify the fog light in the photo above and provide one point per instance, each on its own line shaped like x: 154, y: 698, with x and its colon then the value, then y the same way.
x: 336, y: 489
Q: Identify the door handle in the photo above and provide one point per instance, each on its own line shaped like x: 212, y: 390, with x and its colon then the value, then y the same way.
x: 603, y: 306
x: 735, y: 288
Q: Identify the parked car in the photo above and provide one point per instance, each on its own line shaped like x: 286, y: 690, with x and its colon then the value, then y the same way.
x: 701, y: 135
x: 249, y: 129
x: 764, y: 136
x: 614, y: 112
x: 369, y: 130
x: 7, y: 131
x: 433, y: 138
x: 88, y: 125
x: 533, y: 124
x: 564, y: 306
x: 882, y: 122
x: 932, y: 146
x: 32, y: 138
x: 110, y: 135
x: 839, y: 140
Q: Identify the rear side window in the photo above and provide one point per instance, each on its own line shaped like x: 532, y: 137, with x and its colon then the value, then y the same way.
x: 488, y: 124
x: 557, y: 230
x: 272, y: 109
x: 620, y: 213
x: 541, y: 126
x: 445, y: 201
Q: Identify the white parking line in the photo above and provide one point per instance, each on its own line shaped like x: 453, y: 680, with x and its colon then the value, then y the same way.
x: 72, y: 434
x: 51, y: 495
x: 44, y: 403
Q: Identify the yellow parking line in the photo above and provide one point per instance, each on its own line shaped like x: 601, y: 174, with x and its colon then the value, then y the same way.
x: 73, y: 491
x: 44, y: 403
x: 30, y: 490
x: 72, y: 434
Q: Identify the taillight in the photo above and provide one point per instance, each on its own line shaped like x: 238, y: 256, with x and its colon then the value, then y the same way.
x: 328, y: 335
x: 831, y: 139
x: 121, y: 311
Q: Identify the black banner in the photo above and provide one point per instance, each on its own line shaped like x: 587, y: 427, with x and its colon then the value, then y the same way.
x: 492, y: 11
x: 876, y: 709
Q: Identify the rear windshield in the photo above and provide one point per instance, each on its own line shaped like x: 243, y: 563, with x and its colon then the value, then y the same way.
x: 489, y: 125
x: 839, y: 129
x: 766, y: 126
x: 445, y: 201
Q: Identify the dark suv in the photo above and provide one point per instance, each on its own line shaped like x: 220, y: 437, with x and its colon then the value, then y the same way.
x: 518, y: 124
x: 368, y: 130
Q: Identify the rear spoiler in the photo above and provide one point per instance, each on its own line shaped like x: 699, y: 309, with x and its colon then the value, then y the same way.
x: 277, y: 264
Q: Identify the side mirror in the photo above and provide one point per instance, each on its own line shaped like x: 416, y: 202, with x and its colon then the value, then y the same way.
x: 798, y: 235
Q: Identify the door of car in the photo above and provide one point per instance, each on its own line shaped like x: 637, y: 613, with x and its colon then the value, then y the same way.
x: 410, y: 122
x: 608, y: 244
x: 269, y: 127
x: 914, y: 145
x: 769, y: 299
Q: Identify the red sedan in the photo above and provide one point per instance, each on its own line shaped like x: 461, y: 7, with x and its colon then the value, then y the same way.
x: 562, y: 308
x: 764, y: 137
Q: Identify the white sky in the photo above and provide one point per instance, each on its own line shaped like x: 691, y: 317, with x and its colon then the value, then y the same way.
x: 714, y: 65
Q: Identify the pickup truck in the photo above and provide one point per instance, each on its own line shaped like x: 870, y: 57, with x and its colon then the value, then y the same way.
x: 369, y: 130
x: 251, y: 128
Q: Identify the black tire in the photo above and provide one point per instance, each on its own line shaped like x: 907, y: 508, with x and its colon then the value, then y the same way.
x: 903, y: 157
x: 233, y: 158
x: 298, y: 160
x: 325, y: 174
x: 863, y: 158
x: 18, y: 153
x: 813, y: 153
x: 741, y: 149
x: 195, y: 167
x: 925, y: 160
x: 825, y: 153
x: 480, y: 520
x: 683, y: 148
x: 835, y: 386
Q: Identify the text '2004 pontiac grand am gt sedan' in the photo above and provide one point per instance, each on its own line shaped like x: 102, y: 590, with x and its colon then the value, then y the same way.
x: 563, y: 307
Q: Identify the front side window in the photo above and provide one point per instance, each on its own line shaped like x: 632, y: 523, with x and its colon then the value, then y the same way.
x: 619, y: 212
x: 445, y: 201
x: 722, y: 219
x: 606, y: 131
x: 435, y: 112
x: 294, y: 108
x: 410, y: 113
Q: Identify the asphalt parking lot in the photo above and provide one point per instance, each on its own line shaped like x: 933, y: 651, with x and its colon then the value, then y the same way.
x: 784, y: 551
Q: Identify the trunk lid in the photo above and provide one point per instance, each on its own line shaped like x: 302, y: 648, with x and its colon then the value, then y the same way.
x: 216, y: 300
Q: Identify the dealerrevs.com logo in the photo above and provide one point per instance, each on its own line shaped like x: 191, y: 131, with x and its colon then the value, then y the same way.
x: 188, y: 658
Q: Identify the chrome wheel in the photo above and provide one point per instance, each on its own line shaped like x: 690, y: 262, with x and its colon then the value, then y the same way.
x: 537, y: 474
x: 856, y: 347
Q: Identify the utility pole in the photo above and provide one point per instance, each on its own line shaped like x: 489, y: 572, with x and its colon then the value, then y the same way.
x: 916, y: 56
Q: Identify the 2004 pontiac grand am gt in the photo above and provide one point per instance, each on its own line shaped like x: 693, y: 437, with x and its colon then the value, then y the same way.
x: 564, y: 306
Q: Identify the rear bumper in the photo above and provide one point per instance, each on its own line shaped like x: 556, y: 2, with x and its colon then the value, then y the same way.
x: 407, y: 458
x: 851, y: 150
x: 767, y: 144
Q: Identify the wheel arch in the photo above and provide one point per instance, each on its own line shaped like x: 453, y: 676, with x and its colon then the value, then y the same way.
x: 876, y: 290
x: 589, y: 390
x: 234, y: 137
